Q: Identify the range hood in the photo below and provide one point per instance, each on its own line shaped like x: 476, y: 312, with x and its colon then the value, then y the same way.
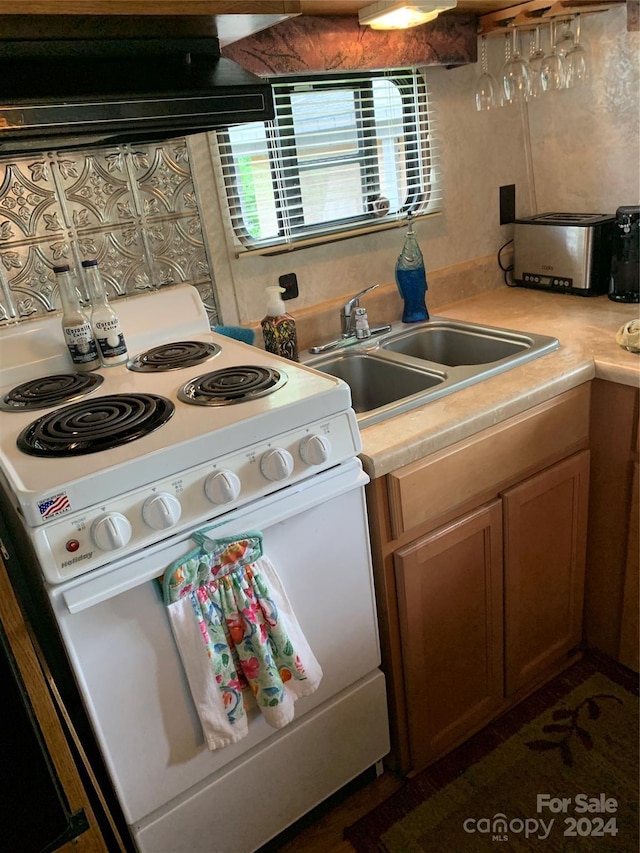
x: 81, y: 92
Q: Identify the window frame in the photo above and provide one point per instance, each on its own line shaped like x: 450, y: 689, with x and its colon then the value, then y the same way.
x: 419, y: 147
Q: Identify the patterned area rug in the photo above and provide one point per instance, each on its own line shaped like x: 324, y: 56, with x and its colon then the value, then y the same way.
x: 558, y: 775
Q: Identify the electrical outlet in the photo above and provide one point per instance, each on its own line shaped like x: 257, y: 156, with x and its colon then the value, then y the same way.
x: 507, y: 204
x: 290, y: 283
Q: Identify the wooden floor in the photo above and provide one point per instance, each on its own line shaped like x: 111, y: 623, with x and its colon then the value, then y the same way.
x: 324, y: 833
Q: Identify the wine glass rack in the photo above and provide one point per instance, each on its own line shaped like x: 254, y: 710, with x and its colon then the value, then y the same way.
x: 526, y: 16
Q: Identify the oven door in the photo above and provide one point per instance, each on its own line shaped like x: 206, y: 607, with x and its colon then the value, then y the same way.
x: 117, y: 635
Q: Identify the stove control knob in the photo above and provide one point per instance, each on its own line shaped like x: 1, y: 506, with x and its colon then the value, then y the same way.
x: 111, y: 531
x: 222, y: 487
x: 276, y: 464
x: 315, y: 449
x: 161, y: 511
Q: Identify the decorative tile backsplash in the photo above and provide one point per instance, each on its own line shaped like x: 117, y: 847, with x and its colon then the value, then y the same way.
x: 132, y: 207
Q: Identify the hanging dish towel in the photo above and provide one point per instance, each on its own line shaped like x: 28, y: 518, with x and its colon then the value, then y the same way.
x: 234, y: 627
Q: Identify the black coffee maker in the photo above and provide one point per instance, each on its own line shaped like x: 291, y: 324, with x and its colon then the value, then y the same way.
x: 624, y: 281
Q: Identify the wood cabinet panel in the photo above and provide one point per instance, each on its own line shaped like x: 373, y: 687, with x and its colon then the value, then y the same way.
x: 614, y: 449
x: 149, y: 7
x: 628, y: 653
x: 545, y: 521
x: 450, y: 607
x: 492, y: 459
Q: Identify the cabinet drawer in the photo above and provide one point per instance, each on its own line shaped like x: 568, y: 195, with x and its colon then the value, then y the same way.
x: 492, y: 459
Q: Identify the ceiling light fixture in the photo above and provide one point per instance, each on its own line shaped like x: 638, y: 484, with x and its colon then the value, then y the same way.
x: 402, y: 14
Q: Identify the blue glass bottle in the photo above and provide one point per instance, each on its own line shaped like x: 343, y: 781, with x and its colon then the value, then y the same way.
x: 412, y: 280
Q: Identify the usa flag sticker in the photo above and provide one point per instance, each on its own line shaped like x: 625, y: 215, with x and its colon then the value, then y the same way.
x: 54, y: 506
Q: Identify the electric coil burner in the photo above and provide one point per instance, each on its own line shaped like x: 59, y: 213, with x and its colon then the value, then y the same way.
x: 94, y: 425
x: 50, y: 391
x: 173, y: 356
x: 232, y: 385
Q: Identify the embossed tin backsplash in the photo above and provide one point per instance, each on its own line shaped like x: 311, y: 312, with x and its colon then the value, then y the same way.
x: 134, y: 208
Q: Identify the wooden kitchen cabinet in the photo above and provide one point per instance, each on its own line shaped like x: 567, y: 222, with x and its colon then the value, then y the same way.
x: 611, y: 586
x: 228, y: 20
x: 545, y: 526
x: 150, y: 7
x: 450, y: 606
x: 628, y: 650
x: 479, y: 555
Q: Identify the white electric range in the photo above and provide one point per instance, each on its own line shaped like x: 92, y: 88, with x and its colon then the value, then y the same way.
x: 208, y: 458
x: 238, y: 440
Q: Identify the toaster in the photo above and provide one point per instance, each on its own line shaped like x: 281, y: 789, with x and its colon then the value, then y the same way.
x: 565, y: 252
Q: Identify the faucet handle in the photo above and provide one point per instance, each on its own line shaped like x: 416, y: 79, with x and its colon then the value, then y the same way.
x: 353, y: 302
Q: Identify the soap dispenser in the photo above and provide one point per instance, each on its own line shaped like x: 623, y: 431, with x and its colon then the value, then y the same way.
x: 278, y: 327
x: 411, y: 279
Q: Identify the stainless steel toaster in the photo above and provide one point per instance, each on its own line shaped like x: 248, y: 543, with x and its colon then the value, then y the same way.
x: 566, y: 252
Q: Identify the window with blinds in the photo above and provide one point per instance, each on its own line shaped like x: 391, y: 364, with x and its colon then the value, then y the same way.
x: 344, y: 154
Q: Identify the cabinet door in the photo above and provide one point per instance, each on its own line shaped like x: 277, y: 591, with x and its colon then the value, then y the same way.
x: 545, y: 525
x: 450, y: 608
x: 629, y: 632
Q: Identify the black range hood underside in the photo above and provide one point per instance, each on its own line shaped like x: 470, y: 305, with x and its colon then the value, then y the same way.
x: 61, y: 94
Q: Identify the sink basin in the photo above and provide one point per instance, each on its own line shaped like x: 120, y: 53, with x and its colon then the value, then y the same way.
x: 376, y: 383
x: 409, y: 367
x: 453, y: 345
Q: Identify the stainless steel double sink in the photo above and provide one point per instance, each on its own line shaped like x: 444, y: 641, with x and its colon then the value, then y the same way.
x: 408, y: 367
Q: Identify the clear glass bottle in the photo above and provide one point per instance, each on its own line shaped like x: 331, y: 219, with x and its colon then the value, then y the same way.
x: 104, y: 320
x: 76, y: 327
x: 412, y: 279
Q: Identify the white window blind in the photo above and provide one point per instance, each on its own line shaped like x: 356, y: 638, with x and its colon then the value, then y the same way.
x: 344, y: 154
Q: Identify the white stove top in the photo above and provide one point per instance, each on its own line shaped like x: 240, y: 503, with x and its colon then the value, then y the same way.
x: 305, y: 426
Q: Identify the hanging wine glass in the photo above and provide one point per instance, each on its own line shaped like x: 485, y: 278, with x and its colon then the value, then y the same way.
x: 576, y: 61
x: 507, y: 50
x: 551, y: 70
x: 515, y: 75
x: 565, y: 41
x: 487, y: 92
x: 536, y: 55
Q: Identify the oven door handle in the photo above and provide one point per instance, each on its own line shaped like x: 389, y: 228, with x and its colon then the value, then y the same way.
x: 260, y: 515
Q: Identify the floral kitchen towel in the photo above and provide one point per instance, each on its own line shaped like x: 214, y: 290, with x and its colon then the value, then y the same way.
x: 235, y: 628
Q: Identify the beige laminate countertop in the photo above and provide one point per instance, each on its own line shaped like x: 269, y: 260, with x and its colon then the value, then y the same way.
x: 586, y: 329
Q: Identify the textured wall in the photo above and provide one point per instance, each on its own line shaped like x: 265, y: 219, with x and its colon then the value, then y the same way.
x: 132, y: 208
x: 585, y: 142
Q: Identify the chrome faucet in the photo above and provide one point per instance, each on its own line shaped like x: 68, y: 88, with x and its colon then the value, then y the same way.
x: 348, y: 325
x: 348, y: 314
